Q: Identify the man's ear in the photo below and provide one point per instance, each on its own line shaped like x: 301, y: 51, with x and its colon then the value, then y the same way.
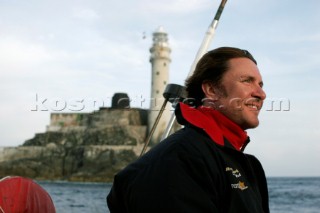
x: 210, y: 91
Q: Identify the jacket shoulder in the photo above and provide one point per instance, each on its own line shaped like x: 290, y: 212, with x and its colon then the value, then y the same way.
x: 179, y: 164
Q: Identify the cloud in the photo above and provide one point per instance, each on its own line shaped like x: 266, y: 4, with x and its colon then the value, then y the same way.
x: 15, y: 53
x: 85, y: 14
x: 175, y: 6
x: 90, y: 49
x: 287, y: 140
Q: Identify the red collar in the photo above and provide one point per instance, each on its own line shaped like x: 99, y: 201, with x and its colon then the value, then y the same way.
x: 215, y: 124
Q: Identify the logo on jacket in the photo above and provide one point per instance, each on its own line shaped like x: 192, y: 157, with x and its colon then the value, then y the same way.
x: 240, y: 185
x: 234, y: 172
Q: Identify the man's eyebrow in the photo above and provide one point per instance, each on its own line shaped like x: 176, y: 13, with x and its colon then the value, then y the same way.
x: 247, y: 77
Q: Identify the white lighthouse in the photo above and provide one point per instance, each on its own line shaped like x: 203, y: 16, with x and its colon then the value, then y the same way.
x: 160, y: 61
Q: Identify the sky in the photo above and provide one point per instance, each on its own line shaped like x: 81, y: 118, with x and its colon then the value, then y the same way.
x: 66, y: 51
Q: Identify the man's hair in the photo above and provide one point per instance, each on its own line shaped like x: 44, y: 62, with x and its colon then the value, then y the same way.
x: 211, y: 67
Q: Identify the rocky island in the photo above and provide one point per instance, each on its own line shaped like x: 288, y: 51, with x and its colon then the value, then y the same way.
x: 80, y: 146
x: 94, y: 146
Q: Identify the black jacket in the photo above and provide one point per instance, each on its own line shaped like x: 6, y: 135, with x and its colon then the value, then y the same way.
x: 189, y: 173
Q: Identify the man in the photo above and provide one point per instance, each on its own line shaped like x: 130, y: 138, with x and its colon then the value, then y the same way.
x: 202, y: 168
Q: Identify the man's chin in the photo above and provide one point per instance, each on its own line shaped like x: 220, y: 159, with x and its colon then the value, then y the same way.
x: 250, y: 125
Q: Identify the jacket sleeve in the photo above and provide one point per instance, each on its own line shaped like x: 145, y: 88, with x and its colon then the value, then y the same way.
x: 262, y: 181
x: 180, y: 183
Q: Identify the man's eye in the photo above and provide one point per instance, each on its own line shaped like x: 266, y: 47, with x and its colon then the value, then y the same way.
x: 261, y: 85
x: 247, y: 80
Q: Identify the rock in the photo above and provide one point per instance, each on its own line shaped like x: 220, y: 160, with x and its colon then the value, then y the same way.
x: 79, y: 147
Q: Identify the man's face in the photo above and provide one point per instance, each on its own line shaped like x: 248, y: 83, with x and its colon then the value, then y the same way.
x: 240, y: 95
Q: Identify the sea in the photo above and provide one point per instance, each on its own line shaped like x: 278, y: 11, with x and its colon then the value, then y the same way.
x: 286, y: 194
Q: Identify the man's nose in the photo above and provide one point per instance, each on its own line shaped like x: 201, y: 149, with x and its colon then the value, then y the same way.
x: 259, y: 93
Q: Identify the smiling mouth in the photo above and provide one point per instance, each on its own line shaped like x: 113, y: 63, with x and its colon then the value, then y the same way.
x: 253, y: 106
